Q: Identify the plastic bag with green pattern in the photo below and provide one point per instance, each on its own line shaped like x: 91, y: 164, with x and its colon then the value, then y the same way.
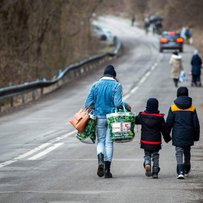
x: 88, y: 135
x: 121, y: 124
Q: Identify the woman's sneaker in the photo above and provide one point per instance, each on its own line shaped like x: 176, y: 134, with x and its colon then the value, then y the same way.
x: 148, y: 172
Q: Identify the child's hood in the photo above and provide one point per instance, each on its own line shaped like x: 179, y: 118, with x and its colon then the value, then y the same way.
x: 183, y: 102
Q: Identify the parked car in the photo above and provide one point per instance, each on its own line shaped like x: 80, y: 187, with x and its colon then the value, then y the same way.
x: 102, y: 33
x: 171, y: 40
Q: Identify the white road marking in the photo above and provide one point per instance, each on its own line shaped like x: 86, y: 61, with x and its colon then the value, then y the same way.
x: 56, y: 192
x: 6, y: 163
x: 134, y: 89
x: 115, y: 159
x: 126, y: 97
x: 32, y: 151
x: 51, y: 142
x: 46, y: 151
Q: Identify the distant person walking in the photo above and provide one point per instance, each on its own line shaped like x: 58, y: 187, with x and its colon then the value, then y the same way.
x: 183, y: 120
x: 146, y: 25
x: 133, y: 21
x: 105, y: 95
x: 188, y: 35
x: 176, y: 67
x: 196, y: 63
x: 153, y: 126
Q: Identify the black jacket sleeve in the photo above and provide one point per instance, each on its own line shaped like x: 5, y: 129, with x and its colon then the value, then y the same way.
x: 169, y: 121
x: 138, y: 119
x: 165, y: 132
x: 196, y: 126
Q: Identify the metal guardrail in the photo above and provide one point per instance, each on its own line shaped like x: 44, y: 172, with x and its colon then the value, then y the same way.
x: 17, y: 95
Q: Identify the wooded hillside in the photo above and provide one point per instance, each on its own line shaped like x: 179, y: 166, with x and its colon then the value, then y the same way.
x: 39, y: 37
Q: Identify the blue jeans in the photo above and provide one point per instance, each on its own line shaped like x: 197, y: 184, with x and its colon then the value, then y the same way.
x: 151, y: 155
x: 104, y: 142
x: 183, y: 153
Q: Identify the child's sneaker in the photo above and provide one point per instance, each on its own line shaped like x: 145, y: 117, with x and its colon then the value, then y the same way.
x: 148, y: 172
x: 180, y: 171
x: 187, y: 168
x: 155, y: 172
x: 186, y: 174
x: 180, y: 175
x: 155, y: 175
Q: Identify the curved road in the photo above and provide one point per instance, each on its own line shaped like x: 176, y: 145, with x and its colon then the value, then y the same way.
x: 42, y: 161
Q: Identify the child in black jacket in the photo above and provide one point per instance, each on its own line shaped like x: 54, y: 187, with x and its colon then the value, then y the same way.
x: 153, y: 125
x: 183, y: 120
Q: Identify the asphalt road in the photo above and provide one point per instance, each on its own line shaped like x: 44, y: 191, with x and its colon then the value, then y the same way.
x: 42, y: 161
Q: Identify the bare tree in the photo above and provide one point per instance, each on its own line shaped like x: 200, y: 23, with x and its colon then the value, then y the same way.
x: 37, y: 38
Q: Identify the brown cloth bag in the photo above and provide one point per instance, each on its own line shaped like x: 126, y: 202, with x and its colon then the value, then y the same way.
x: 80, y: 119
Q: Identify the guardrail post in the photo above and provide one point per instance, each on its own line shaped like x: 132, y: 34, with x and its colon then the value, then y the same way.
x: 23, y: 98
x: 82, y: 71
x: 33, y: 95
x: 77, y: 74
x: 41, y: 91
x: 11, y: 101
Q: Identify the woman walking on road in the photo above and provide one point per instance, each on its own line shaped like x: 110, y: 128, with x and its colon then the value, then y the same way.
x: 196, y: 63
x: 176, y: 66
x: 105, y: 95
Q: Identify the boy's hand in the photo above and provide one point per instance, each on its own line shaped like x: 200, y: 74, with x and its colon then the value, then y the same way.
x: 128, y: 107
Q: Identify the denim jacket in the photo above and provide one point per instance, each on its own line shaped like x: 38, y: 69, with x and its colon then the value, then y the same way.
x: 105, y: 95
